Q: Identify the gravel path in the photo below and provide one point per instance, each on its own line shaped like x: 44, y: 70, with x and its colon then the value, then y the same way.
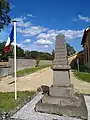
x: 29, y: 82
x: 35, y: 80
x: 28, y: 113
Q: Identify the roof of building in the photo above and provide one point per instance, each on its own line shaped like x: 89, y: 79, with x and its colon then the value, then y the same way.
x: 85, y: 35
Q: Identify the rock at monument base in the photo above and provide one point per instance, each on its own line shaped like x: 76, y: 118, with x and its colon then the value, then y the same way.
x: 72, y: 107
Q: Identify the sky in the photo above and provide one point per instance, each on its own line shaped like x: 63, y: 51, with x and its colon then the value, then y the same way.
x: 39, y: 21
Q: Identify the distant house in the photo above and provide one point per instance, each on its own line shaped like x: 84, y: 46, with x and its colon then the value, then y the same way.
x: 86, y: 45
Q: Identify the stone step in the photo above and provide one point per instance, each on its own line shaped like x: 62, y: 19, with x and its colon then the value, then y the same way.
x: 61, y: 91
x: 73, y: 107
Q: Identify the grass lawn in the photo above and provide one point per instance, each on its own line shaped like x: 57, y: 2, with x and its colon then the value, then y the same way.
x: 31, y: 70
x: 7, y: 102
x: 84, y: 76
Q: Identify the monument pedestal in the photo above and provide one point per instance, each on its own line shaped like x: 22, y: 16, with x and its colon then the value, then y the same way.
x: 61, y: 99
x: 63, y: 106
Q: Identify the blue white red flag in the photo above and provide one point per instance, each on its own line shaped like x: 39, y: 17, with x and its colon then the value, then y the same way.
x: 9, y: 40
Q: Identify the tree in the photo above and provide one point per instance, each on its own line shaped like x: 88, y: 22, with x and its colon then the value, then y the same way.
x: 20, y: 52
x: 34, y: 54
x: 28, y: 54
x: 70, y: 50
x: 53, y: 54
x: 4, y: 10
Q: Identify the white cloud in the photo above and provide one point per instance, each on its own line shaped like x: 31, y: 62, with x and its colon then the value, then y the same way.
x: 24, y: 24
x: 44, y: 42
x: 27, y: 41
x: 30, y: 15
x: 45, y: 37
x: 84, y: 18
x: 18, y: 44
x: 27, y: 28
x: 46, y: 46
x: 31, y: 31
x: 72, y: 34
x: 20, y: 19
x: 21, y: 22
x: 51, y: 35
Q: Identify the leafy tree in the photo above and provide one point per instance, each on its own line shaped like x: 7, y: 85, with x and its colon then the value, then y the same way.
x: 34, y: 54
x: 28, y: 54
x: 4, y: 10
x: 20, y: 52
x: 70, y: 50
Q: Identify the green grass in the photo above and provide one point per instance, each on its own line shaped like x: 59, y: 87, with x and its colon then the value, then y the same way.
x: 31, y: 70
x: 45, y: 62
x: 7, y: 102
x: 84, y: 76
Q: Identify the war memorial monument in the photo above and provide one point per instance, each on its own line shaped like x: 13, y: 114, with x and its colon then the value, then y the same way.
x: 61, y: 99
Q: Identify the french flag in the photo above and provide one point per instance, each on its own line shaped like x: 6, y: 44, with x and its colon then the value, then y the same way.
x: 9, y: 41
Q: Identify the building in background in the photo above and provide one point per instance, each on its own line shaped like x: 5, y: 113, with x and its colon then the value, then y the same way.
x: 86, y: 45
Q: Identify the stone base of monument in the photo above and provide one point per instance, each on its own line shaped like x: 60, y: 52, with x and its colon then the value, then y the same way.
x: 64, y: 106
x: 63, y: 91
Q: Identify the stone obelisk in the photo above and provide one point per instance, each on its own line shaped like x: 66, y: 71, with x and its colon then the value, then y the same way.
x: 61, y: 99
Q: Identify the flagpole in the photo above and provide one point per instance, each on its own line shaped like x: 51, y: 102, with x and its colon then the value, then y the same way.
x: 15, y: 59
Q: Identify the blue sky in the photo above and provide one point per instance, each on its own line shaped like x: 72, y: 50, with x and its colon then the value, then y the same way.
x: 39, y: 21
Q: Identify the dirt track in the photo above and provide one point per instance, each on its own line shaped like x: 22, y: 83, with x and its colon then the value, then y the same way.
x: 35, y: 80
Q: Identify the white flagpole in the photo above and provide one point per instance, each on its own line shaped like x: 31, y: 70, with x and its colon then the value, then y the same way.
x: 15, y: 59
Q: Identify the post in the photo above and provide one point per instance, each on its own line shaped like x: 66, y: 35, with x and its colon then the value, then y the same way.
x: 15, y: 59
x: 78, y: 64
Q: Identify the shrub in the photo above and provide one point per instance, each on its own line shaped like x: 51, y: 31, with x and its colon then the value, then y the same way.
x: 37, y: 62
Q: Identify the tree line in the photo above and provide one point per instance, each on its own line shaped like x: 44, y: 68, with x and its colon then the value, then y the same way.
x: 30, y: 54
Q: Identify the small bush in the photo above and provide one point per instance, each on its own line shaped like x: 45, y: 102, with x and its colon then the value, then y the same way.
x: 37, y: 62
